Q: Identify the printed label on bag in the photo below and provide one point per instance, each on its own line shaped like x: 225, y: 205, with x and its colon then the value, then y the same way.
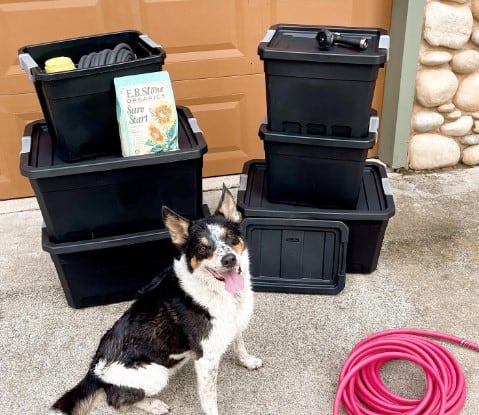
x: 146, y: 112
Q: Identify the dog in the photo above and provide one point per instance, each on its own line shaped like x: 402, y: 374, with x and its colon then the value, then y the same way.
x: 192, y: 311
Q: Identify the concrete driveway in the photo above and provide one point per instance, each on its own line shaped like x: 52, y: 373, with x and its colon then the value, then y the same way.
x: 428, y: 277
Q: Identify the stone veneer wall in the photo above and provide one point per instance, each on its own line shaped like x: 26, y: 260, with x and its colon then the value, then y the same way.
x: 445, y: 121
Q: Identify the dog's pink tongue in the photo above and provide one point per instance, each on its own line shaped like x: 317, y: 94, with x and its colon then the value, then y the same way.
x: 234, y: 281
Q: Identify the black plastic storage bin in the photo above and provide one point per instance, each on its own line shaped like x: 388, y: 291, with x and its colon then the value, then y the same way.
x: 113, y: 195
x: 323, y: 92
x: 109, y: 270
x: 79, y: 106
x: 314, y: 171
x: 296, y: 255
x: 367, y: 222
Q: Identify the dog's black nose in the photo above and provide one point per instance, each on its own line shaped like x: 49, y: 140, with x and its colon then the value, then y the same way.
x: 228, y: 261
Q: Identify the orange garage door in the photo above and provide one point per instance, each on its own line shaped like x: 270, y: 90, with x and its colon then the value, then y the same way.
x: 212, y: 58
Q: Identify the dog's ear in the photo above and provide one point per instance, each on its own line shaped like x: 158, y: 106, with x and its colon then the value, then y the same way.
x: 177, y: 226
x: 227, y: 206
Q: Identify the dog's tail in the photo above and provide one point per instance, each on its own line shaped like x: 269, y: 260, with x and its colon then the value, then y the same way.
x: 78, y: 400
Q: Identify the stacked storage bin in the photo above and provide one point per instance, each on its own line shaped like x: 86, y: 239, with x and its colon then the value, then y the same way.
x: 315, y: 191
x: 102, y: 212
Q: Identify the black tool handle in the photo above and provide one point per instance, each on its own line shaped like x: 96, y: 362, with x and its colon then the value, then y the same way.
x: 358, y: 43
x: 326, y: 39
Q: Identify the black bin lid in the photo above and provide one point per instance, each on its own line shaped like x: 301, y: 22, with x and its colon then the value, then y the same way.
x: 298, y: 43
x: 96, y: 244
x: 39, y: 158
x: 297, y: 255
x: 375, y: 200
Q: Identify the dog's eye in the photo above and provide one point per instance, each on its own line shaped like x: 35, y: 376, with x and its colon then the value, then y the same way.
x: 202, y: 250
x: 231, y: 238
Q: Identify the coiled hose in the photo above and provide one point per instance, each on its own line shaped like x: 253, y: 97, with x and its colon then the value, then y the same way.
x: 361, y: 390
x: 119, y: 54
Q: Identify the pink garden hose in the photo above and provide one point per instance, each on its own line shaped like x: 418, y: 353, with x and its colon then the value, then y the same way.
x: 361, y: 390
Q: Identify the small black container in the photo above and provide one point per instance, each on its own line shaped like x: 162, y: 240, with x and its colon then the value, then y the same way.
x: 322, y: 92
x: 113, y: 195
x: 296, y: 255
x: 367, y: 222
x: 109, y: 270
x: 79, y: 106
x: 314, y: 171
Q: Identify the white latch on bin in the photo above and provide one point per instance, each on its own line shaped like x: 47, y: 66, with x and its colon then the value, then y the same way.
x: 27, y: 63
x: 194, y: 125
x: 242, y: 183
x: 384, y: 43
x: 26, y: 144
x: 387, y: 186
x: 373, y: 124
x: 268, y: 36
x: 150, y: 42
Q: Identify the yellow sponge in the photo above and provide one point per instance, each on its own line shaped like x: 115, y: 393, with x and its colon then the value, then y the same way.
x: 61, y: 63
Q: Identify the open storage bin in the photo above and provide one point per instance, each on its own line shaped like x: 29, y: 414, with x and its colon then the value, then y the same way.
x: 114, y: 195
x: 109, y: 270
x: 296, y: 255
x: 323, y: 92
x: 79, y: 106
x: 367, y: 222
x: 313, y: 170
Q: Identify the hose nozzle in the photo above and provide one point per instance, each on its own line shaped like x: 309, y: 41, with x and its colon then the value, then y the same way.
x: 326, y: 39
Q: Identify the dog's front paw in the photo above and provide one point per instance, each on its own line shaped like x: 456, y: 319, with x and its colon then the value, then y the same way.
x: 153, y: 406
x: 251, y: 362
x: 159, y: 407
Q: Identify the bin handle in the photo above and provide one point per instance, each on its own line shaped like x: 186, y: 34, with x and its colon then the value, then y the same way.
x: 194, y: 125
x: 268, y: 36
x: 384, y: 43
x: 243, y: 181
x: 27, y: 63
x: 384, y: 180
x: 149, y: 42
x: 387, y: 186
x: 26, y: 144
x: 373, y: 124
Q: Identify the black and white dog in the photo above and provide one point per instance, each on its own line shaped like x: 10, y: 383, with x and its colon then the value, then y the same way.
x: 193, y: 310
